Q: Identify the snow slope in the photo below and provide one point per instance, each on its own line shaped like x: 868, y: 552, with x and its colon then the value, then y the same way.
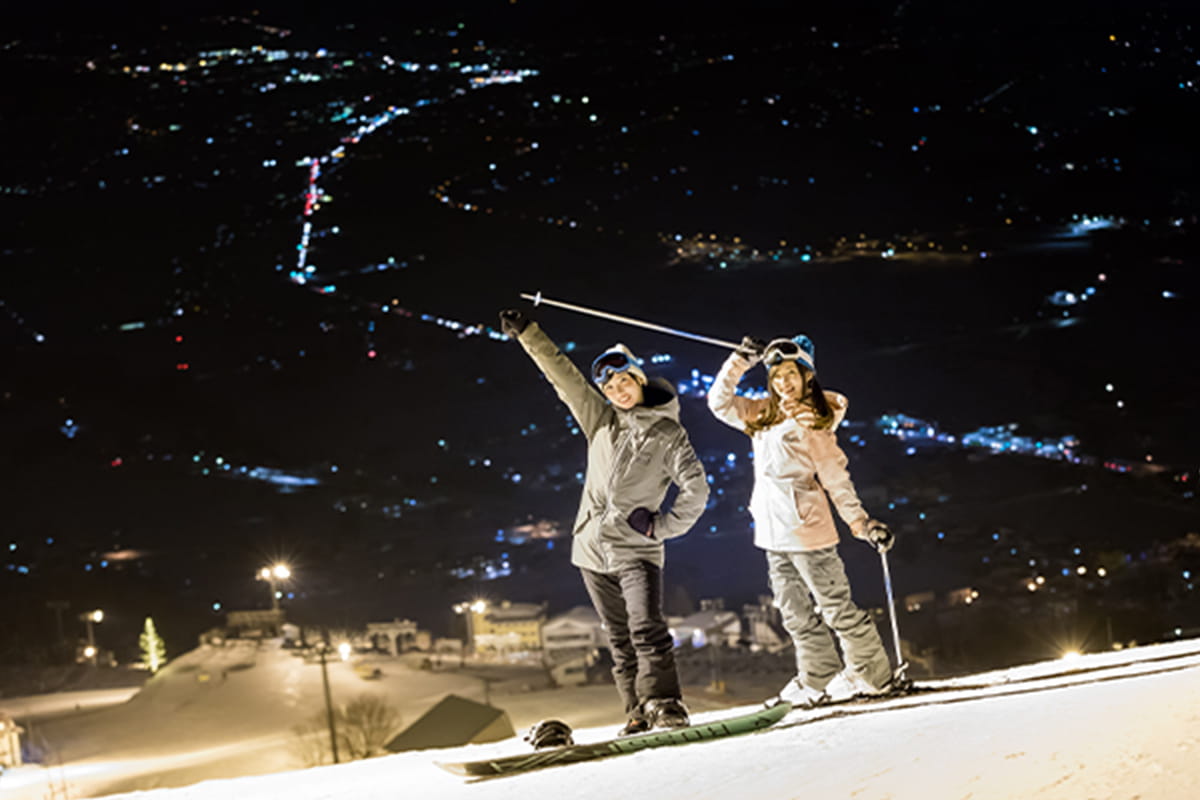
x: 1121, y: 725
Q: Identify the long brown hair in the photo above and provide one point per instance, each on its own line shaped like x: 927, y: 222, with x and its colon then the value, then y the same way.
x: 772, y: 413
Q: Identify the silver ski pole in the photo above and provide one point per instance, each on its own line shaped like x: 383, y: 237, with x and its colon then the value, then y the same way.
x: 537, y: 300
x: 901, y: 667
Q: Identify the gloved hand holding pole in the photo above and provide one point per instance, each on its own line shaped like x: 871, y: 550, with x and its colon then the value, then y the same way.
x: 537, y: 299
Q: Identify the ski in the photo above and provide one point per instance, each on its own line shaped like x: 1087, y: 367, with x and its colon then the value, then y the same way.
x: 930, y: 694
x: 571, y: 754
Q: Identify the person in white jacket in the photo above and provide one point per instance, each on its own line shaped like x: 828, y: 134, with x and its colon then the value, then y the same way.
x: 798, y: 469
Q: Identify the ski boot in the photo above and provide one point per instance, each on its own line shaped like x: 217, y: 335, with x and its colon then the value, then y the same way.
x: 666, y: 712
x: 799, y: 695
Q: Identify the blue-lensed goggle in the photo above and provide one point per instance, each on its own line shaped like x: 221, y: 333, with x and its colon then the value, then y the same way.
x: 609, y: 364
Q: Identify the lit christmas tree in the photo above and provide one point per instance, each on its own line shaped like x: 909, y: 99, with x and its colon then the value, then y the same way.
x: 154, y: 651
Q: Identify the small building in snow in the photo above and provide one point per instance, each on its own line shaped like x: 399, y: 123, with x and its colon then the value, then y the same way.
x: 452, y: 722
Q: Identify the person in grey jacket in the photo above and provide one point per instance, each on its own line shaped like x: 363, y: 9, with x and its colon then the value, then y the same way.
x: 636, y: 449
x: 798, y: 469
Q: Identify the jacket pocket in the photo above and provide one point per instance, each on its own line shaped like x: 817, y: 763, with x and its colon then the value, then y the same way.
x: 806, y: 507
x: 773, y: 506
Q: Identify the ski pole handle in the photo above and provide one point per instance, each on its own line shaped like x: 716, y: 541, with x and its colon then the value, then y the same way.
x: 537, y: 300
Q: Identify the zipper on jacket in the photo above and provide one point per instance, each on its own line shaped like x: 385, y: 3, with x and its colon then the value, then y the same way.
x: 621, y: 445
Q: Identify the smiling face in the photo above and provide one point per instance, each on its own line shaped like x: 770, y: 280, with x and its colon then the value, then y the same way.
x: 788, y: 381
x: 624, y: 391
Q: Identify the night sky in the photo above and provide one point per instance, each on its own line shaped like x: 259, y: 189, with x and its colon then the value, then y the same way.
x: 252, y: 261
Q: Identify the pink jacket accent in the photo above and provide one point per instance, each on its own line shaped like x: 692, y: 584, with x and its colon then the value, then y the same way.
x: 792, y: 464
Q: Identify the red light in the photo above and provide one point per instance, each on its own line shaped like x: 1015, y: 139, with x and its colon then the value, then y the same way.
x: 182, y: 366
x: 371, y: 354
x: 178, y: 339
x: 116, y: 462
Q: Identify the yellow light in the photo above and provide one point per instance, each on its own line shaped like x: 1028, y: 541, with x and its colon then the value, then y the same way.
x: 89, y: 652
x: 1102, y: 572
x: 1070, y: 655
x: 281, y: 571
x: 1031, y: 586
x: 97, y: 615
x: 344, y: 651
x: 1081, y: 569
x: 479, y: 606
x: 1040, y: 580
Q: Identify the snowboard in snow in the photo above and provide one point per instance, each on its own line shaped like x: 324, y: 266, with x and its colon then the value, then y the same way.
x: 506, y: 765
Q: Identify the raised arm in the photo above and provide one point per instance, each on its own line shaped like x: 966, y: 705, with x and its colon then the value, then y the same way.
x: 723, y: 401
x: 581, y: 398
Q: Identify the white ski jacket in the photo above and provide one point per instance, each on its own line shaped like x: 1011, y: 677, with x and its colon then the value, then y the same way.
x: 795, y: 467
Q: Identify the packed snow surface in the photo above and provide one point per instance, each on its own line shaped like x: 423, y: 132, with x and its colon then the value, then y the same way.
x: 1123, y: 724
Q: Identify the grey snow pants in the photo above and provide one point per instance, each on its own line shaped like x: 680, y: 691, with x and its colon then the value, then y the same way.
x: 813, y: 595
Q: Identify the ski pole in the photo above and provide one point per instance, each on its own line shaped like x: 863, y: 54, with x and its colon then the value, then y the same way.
x: 901, y: 667
x: 537, y: 300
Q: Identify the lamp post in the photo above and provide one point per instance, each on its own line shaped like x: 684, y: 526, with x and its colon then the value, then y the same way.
x: 323, y: 650
x: 90, y: 618
x: 272, y: 574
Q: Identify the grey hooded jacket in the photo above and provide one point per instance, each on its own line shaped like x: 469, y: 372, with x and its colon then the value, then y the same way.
x: 633, y: 456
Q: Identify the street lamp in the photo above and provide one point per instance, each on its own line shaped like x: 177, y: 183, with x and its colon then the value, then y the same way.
x: 90, y: 618
x: 469, y: 610
x: 271, y: 574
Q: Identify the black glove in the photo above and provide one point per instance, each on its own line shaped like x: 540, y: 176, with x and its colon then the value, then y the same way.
x: 880, y: 536
x: 642, y: 521
x: 512, y: 322
x: 751, y: 349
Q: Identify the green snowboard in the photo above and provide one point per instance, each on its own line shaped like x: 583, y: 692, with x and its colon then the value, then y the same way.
x: 507, y: 765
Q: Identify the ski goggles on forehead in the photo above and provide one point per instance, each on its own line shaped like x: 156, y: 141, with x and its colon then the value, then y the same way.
x: 781, y: 350
x: 609, y: 364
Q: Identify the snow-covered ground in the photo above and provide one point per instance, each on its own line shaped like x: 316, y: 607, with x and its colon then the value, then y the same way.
x: 45, y: 705
x: 1118, y: 725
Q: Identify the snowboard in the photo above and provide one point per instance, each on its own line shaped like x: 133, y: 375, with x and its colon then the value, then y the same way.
x: 571, y: 754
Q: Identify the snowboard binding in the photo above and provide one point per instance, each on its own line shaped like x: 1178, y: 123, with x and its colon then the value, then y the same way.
x: 550, y: 733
